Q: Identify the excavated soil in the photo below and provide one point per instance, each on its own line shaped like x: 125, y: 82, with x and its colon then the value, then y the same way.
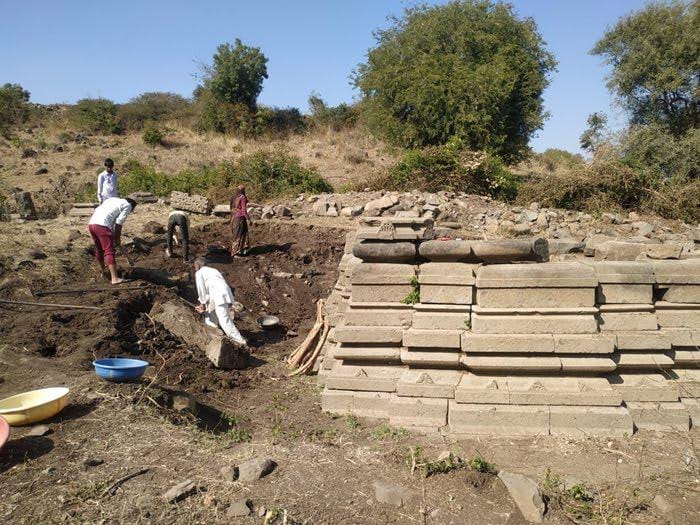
x: 186, y: 419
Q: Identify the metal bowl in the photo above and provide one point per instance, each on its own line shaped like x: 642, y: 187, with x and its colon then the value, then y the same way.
x: 268, y: 322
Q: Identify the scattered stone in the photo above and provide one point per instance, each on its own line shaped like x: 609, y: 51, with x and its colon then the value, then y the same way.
x: 396, y: 495
x: 351, y: 211
x: 662, y: 505
x: 255, y: 468
x: 282, y: 275
x: 376, y: 207
x: 238, y: 508
x: 49, y: 470
x: 633, y: 216
x: 644, y: 229
x: 528, y: 216
x: 262, y: 511
x: 664, y: 251
x: 143, y: 197
x: 25, y: 205
x: 191, y: 203
x: 619, y: 250
x: 41, y: 171
x: 28, y: 152
x: 154, y: 228
x: 180, y: 491
x: 93, y: 462
x: 221, y: 210
x: 37, y: 254
x: 268, y: 212
x: 332, y: 210
x: 39, y: 430
x: 282, y: 211
x: 526, y: 495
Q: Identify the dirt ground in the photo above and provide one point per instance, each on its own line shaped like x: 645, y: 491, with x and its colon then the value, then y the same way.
x: 326, y: 465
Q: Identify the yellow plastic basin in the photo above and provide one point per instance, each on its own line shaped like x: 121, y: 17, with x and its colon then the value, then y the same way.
x: 37, y: 405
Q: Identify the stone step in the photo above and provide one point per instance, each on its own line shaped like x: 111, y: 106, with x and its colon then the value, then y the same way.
x: 368, y: 334
x: 545, y: 275
x: 365, y: 404
x: 508, y: 363
x: 590, y: 421
x: 677, y: 272
x: 644, y: 387
x: 375, y: 317
x: 642, y: 340
x: 623, y: 272
x: 533, y: 324
x: 364, y: 377
x: 641, y: 360
x: 687, y: 358
x: 384, y: 354
x: 662, y: 417
x: 682, y: 337
x: 430, y: 358
x: 409, y: 412
x: 441, y: 320
x: 442, y: 339
x: 681, y: 293
x: 527, y: 298
x: 428, y: 383
x: 497, y: 420
x: 625, y: 294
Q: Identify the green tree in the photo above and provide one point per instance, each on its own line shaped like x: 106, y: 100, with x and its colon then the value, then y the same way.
x: 14, y: 107
x: 97, y: 115
x: 237, y: 74
x: 469, y: 69
x: 655, y: 58
x: 595, y: 133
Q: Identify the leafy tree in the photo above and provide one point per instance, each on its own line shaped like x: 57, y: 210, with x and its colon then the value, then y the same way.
x: 336, y: 118
x: 468, y: 69
x: 655, y: 59
x: 237, y: 74
x: 595, y: 133
x: 98, y: 115
x: 14, y: 107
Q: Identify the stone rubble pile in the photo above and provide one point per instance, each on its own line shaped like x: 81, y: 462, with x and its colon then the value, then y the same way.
x: 493, y: 337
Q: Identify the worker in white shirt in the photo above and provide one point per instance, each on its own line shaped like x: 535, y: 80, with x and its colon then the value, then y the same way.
x: 180, y: 220
x: 215, y: 300
x: 107, y: 182
x: 106, y: 230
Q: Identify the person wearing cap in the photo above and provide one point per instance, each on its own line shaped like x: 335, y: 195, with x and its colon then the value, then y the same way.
x: 215, y: 300
x: 107, y: 182
x: 105, y: 228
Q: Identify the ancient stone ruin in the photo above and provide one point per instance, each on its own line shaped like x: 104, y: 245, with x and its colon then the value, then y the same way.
x: 493, y: 338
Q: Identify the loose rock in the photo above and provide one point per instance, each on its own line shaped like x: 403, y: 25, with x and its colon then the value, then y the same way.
x: 39, y: 430
x: 526, y: 495
x: 255, y: 468
x: 396, y: 495
x: 238, y: 508
x: 180, y: 491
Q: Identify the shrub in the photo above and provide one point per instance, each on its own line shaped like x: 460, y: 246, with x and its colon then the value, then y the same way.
x: 278, y: 121
x: 449, y: 167
x: 152, y: 136
x: 96, y: 115
x: 14, y: 107
x: 267, y: 175
x: 224, y: 117
x: 335, y: 118
x: 151, y: 107
x: 554, y: 158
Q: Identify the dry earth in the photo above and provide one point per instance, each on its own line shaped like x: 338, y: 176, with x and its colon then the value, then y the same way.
x: 326, y: 465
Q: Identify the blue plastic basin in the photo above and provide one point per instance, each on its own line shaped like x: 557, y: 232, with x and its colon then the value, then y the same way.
x: 118, y: 369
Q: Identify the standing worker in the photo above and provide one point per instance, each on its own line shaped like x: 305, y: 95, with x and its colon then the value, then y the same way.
x: 239, y: 222
x: 107, y: 182
x: 180, y: 220
x: 106, y: 230
x: 215, y: 300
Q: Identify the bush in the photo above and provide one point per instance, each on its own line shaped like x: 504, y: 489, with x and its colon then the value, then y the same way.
x: 14, y: 107
x: 451, y: 168
x: 267, y: 175
x: 152, y: 136
x: 278, y: 121
x: 554, y: 158
x: 224, y: 117
x: 335, y: 118
x: 152, y: 107
x: 96, y: 115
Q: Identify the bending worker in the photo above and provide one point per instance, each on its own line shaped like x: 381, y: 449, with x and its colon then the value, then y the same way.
x: 106, y: 231
x: 178, y: 219
x: 215, y: 300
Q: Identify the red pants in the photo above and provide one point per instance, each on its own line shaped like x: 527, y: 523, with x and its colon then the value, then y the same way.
x: 104, y: 243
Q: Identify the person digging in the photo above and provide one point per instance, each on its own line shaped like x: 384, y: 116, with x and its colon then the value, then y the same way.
x: 215, y: 300
x: 105, y: 228
x: 178, y: 220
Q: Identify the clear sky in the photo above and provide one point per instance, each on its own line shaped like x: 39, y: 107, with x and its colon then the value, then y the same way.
x: 64, y: 51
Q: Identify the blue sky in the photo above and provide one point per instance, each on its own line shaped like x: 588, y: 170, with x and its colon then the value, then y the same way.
x: 64, y: 51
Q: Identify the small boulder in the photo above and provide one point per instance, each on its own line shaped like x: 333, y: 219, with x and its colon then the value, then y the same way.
x: 268, y: 212
x: 39, y: 430
x: 255, y: 468
x: 42, y: 170
x: 238, y: 508
x: 28, y: 152
x: 351, y: 211
x: 180, y: 491
x: 282, y: 212
x: 526, y: 494
x: 662, y: 506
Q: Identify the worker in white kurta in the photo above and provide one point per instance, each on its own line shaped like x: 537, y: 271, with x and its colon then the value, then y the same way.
x: 215, y: 300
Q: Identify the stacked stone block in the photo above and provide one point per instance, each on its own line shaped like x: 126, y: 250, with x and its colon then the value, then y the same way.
x: 497, y: 347
x: 192, y: 203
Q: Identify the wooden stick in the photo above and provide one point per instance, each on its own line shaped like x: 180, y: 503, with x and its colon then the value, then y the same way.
x: 70, y: 306
x: 312, y: 359
x: 114, y: 486
x: 298, y: 355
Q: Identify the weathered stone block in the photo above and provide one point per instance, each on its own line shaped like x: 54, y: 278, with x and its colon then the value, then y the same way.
x: 501, y: 420
x: 417, y: 412
x: 677, y: 272
x: 681, y: 337
x: 387, y: 252
x: 644, y: 387
x: 619, y: 250
x: 533, y: 324
x: 584, y: 344
x: 687, y: 381
x: 482, y: 390
x: 454, y: 274
x: 686, y: 358
x: 508, y: 363
x: 378, y: 273
x: 378, y: 317
x: 677, y: 315
x: 432, y: 338
x: 534, y: 297
x: 367, y: 404
x: 191, y: 203
x: 682, y: 293
x: 641, y: 360
x: 429, y: 358
x: 444, y: 320
x: 590, y: 421
x: 587, y: 364
x: 511, y: 250
x: 561, y: 391
x: 446, y: 251
x: 365, y: 378
x: 627, y: 318
x: 428, y: 383
x: 644, y: 340
x: 546, y: 275
x: 659, y: 416
x: 507, y: 343
x: 623, y: 272
x: 368, y: 334
x: 384, y: 354
x: 446, y: 294
x: 625, y: 294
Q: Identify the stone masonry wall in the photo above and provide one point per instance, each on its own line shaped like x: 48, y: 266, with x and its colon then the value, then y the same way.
x: 500, y: 341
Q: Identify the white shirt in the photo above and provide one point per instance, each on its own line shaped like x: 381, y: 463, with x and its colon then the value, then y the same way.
x: 106, y: 186
x: 110, y: 212
x: 212, y: 288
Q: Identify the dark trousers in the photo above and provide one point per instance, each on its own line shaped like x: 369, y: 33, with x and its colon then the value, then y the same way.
x: 181, y: 222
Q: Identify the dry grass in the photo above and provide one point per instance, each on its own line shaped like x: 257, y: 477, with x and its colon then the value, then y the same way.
x: 341, y: 157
